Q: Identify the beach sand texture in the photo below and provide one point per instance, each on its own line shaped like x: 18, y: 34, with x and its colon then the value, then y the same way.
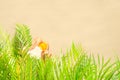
x: 95, y: 24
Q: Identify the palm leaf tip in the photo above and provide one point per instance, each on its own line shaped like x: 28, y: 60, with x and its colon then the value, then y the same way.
x: 22, y: 39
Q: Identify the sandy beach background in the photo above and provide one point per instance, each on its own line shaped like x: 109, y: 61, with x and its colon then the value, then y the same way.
x: 95, y: 24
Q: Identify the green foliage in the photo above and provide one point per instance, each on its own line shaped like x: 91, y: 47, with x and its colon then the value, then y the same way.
x: 22, y: 40
x: 76, y: 64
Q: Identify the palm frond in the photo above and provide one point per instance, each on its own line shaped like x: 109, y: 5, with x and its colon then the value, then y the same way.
x: 22, y: 40
x: 76, y: 64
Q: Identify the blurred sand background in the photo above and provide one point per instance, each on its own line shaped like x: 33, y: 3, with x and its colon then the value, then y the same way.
x: 95, y: 24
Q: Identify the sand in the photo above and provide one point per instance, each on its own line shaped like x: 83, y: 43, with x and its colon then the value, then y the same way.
x: 95, y: 24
